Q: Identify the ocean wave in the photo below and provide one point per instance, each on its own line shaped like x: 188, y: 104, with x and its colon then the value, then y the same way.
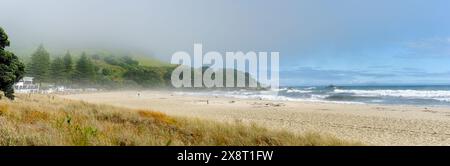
x: 297, y: 91
x: 442, y: 95
x: 311, y: 88
x: 314, y: 98
x: 340, y: 95
x: 443, y: 99
x: 262, y: 95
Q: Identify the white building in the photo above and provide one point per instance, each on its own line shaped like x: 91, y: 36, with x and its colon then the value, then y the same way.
x: 26, y: 85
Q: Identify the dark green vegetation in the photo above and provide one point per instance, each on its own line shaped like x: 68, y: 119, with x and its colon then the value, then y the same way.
x: 40, y: 65
x: 106, y: 71
x: 97, y: 70
x: 11, y: 69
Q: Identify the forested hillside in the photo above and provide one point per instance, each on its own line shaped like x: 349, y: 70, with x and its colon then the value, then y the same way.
x: 100, y: 70
x: 104, y: 70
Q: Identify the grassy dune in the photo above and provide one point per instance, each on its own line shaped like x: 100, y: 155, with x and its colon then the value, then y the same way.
x: 48, y: 120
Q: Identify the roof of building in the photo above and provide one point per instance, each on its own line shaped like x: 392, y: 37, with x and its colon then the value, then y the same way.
x: 27, y: 78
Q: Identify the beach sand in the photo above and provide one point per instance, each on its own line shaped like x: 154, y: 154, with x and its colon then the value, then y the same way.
x: 368, y: 123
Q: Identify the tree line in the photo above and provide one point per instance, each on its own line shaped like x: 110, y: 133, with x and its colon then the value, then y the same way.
x: 95, y: 71
x: 120, y: 72
x: 60, y: 70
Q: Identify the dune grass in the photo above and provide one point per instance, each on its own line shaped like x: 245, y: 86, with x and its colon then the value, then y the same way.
x: 48, y: 120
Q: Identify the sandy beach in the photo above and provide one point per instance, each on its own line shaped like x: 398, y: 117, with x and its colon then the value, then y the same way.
x: 368, y: 123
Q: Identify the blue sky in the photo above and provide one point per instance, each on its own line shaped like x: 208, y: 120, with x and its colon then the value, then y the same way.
x: 320, y: 41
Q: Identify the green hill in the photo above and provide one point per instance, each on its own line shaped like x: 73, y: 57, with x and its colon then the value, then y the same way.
x: 113, y: 70
x: 145, y: 60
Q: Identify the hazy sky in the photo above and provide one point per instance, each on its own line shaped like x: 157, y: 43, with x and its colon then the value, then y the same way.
x: 320, y: 41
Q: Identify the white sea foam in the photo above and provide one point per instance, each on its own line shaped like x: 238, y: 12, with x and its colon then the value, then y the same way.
x: 264, y: 95
x: 441, y: 95
x: 350, y: 96
x: 297, y: 91
x: 443, y: 99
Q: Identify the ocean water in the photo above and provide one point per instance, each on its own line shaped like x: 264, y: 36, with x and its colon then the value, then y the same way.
x: 405, y: 95
x: 398, y: 95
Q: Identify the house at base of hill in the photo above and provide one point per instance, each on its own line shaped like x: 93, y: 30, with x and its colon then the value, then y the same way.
x: 26, y: 85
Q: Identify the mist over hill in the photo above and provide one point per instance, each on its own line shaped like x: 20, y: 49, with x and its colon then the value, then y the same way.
x: 108, y: 70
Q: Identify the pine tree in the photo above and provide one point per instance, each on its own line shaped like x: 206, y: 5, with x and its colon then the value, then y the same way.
x: 11, y: 69
x: 68, y: 67
x: 39, y: 65
x: 57, y: 73
x: 85, y: 70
